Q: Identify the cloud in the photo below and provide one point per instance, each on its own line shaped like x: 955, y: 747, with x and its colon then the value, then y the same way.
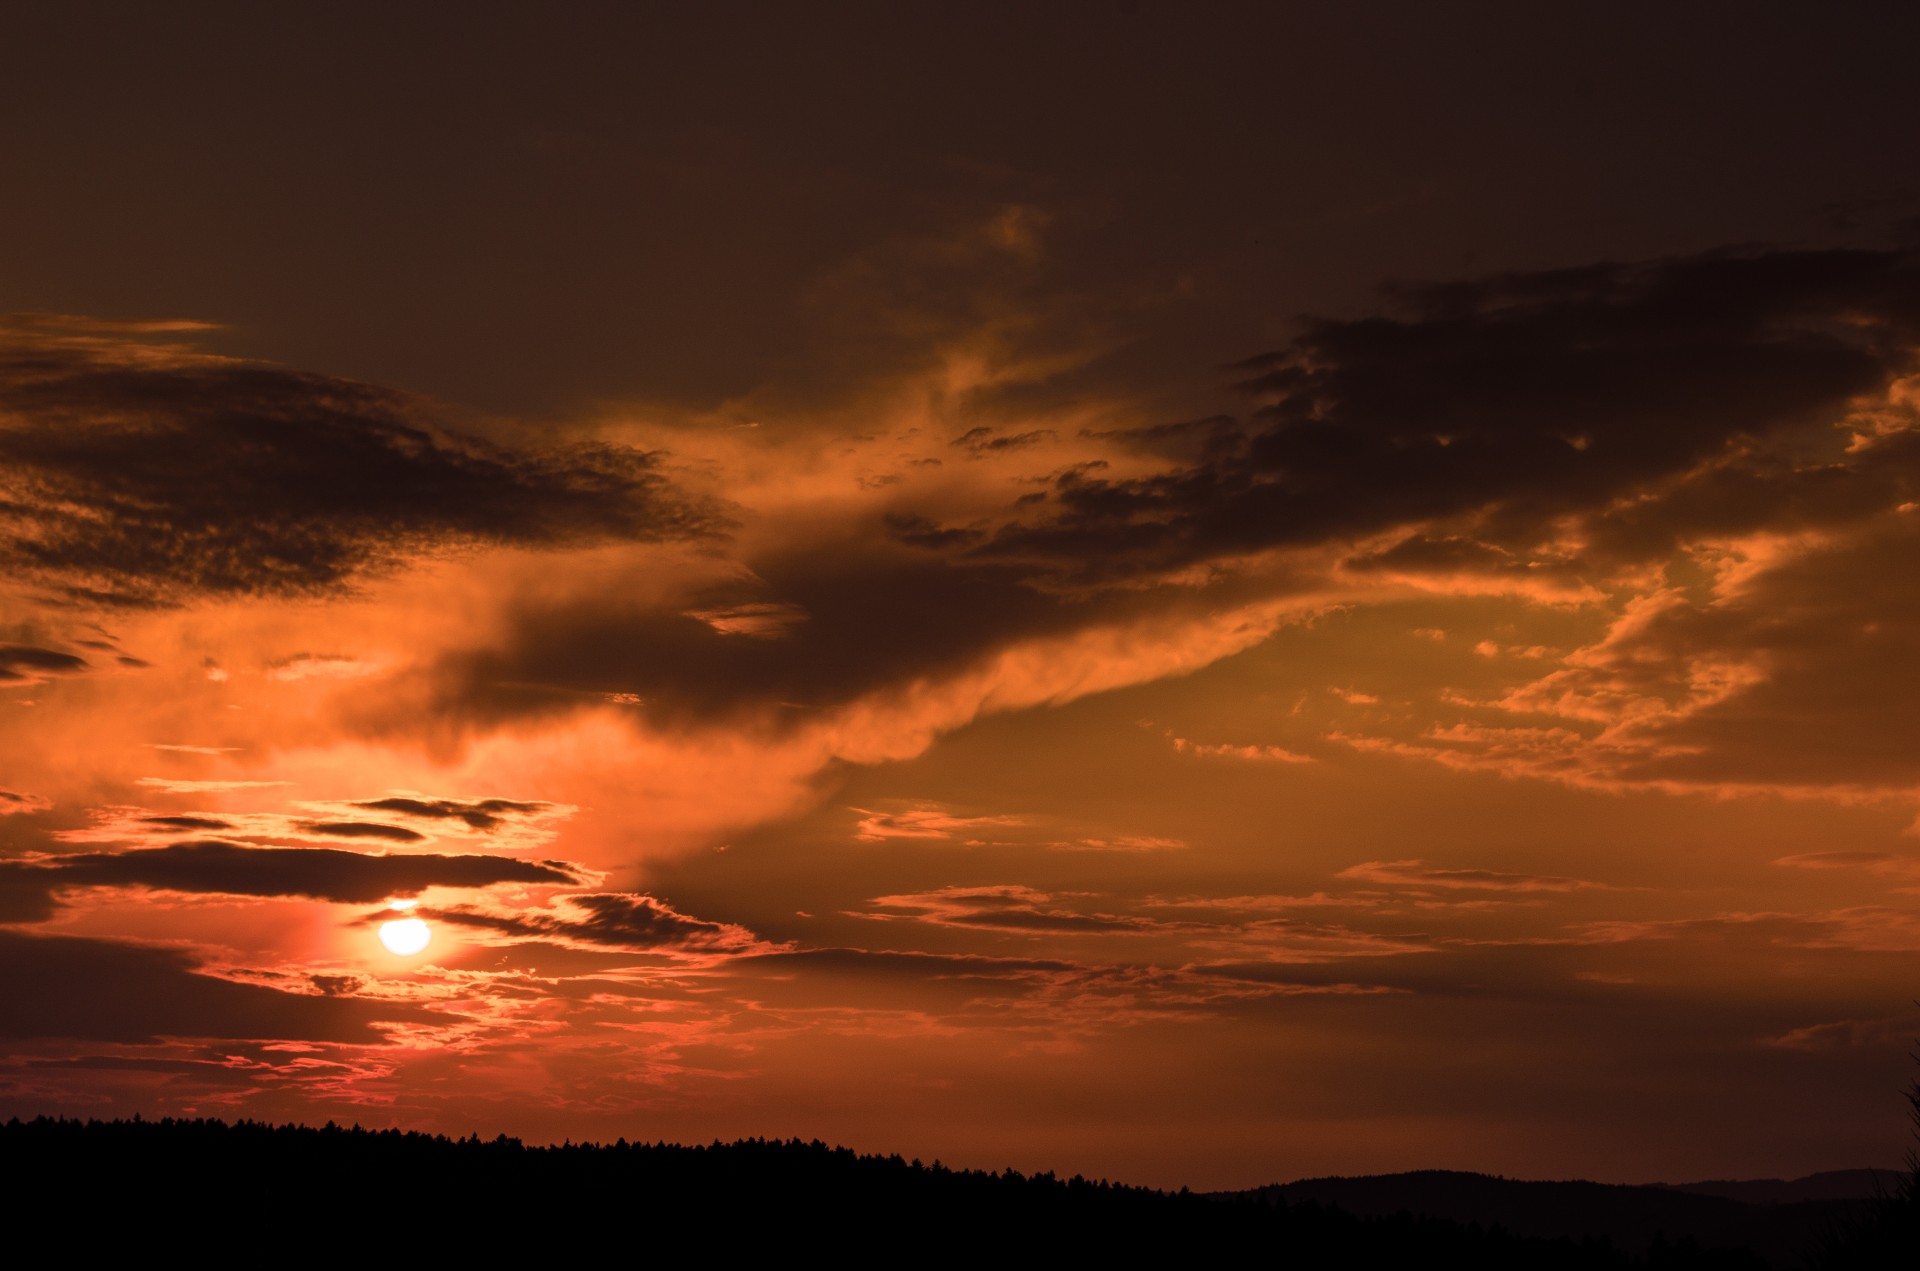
x: 186, y: 824
x: 319, y: 666
x: 618, y: 920
x: 14, y: 803
x: 1882, y: 864
x: 931, y: 822
x: 1416, y: 873
x: 1856, y: 929
x: 1557, y: 438
x: 477, y: 814
x: 139, y: 825
x: 1771, y: 661
x: 1847, y: 1034
x: 760, y: 620
x: 102, y: 990
x: 363, y: 830
x: 26, y: 894
x: 872, y: 619
x: 1119, y: 843
x: 1255, y: 754
x: 906, y: 964
x: 1000, y: 908
x: 29, y: 664
x: 138, y: 472
x: 1835, y: 860
x: 322, y: 873
x: 1522, y: 400
x: 985, y: 441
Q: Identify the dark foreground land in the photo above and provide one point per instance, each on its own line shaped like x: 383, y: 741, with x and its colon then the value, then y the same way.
x: 249, y: 1194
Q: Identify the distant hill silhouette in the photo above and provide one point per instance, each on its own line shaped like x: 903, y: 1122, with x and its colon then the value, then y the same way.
x: 249, y: 1194
x: 1840, y: 1184
x: 1781, y: 1221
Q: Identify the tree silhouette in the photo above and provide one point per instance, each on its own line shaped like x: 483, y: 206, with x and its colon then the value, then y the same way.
x: 1888, y: 1234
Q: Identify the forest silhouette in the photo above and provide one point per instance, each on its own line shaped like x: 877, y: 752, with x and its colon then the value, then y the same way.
x: 250, y: 1193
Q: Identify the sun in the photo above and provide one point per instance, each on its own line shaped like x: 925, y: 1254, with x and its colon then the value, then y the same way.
x: 405, y: 936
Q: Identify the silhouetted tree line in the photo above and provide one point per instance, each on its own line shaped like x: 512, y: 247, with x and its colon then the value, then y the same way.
x: 1887, y: 1236
x: 251, y: 1193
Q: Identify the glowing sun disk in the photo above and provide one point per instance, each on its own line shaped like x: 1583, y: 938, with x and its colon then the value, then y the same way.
x: 405, y: 936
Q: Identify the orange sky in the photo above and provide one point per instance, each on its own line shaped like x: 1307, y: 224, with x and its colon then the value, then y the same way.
x: 911, y: 638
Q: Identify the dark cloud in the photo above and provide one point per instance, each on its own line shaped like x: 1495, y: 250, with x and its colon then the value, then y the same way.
x: 1189, y: 439
x: 140, y: 474
x: 1010, y: 908
x: 1446, y: 553
x: 323, y: 873
x: 101, y: 990
x: 26, y: 893
x: 28, y: 664
x: 1522, y: 399
x: 1637, y: 414
x: 903, y: 963
x: 186, y: 824
x: 12, y: 801
x: 1474, y: 427
x: 873, y: 618
x: 363, y: 830
x: 479, y: 814
x: 986, y: 441
x: 921, y: 531
x: 614, y: 919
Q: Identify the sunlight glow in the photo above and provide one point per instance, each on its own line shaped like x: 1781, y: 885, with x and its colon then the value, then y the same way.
x: 405, y: 936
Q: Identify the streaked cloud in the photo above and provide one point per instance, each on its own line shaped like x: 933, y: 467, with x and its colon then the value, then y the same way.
x: 217, y: 866
x: 322, y: 481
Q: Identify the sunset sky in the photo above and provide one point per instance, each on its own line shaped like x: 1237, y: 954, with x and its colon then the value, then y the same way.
x: 1199, y: 593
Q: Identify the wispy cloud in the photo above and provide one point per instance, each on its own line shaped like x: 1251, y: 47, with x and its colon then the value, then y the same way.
x: 924, y: 823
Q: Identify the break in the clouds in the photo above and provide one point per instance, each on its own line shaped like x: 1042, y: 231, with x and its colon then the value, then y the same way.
x: 138, y: 471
